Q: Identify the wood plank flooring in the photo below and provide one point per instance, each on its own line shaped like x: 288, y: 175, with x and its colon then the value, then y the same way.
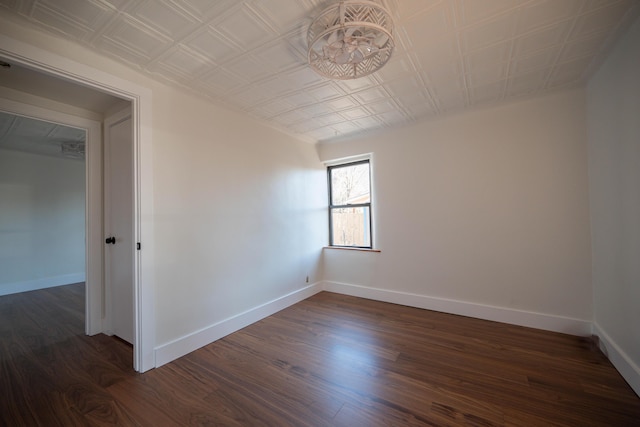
x: 331, y: 360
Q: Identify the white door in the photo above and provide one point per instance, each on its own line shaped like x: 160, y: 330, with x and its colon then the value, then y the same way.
x: 119, y: 233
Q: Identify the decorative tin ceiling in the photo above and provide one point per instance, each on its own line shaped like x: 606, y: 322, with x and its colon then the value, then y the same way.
x: 250, y: 55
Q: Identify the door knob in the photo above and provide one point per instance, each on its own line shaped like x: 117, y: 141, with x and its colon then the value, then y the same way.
x: 110, y: 240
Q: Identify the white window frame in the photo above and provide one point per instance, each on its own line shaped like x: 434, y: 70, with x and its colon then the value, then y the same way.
x: 345, y: 162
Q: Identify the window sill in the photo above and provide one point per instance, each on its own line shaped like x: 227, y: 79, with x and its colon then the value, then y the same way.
x: 342, y: 248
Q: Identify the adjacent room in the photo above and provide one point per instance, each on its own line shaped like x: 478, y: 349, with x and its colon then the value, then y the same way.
x: 310, y: 212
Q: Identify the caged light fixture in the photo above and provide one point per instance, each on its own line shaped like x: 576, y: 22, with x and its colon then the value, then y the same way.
x: 350, y: 39
x: 72, y: 150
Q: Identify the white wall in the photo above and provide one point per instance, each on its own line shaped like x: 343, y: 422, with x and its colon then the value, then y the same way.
x: 483, y: 213
x: 614, y: 180
x: 42, y: 221
x: 240, y: 214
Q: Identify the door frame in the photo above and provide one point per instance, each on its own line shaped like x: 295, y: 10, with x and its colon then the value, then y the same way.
x: 141, y: 112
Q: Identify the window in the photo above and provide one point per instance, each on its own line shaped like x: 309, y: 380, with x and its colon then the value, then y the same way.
x: 350, y: 205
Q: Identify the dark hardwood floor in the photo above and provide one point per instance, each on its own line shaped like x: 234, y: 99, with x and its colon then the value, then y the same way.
x: 331, y: 360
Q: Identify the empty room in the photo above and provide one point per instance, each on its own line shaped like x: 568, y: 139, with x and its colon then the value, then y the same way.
x: 320, y: 212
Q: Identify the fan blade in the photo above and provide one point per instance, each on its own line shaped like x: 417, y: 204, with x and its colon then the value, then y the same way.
x: 343, y: 58
x: 381, y: 40
x: 333, y: 37
x: 370, y: 52
x: 350, y: 31
x: 358, y: 56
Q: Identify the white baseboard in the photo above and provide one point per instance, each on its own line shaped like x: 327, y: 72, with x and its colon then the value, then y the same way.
x: 47, y: 282
x: 480, y: 311
x: 185, y: 345
x: 619, y: 358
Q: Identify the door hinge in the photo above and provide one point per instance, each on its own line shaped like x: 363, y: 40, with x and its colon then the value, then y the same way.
x: 138, y: 245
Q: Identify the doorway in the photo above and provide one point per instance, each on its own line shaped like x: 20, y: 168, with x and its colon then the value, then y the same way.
x: 67, y: 72
x: 104, y: 307
x: 42, y: 204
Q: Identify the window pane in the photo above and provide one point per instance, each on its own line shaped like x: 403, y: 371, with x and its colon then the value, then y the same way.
x: 351, y: 227
x: 350, y: 185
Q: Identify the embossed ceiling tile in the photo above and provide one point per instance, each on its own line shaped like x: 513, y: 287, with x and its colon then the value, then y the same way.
x: 417, y: 105
x: 248, y: 68
x: 393, y: 118
x: 300, y: 98
x: 137, y: 37
x: 432, y: 23
x: 543, y: 13
x: 303, y: 77
x: 371, y: 95
x: 59, y: 22
x: 10, y: 4
x: 381, y: 107
x: 282, y: 14
x: 568, y: 72
x: 434, y: 52
x: 305, y: 126
x: 315, y: 110
x: 206, y: 9
x: 604, y: 19
x: 416, y: 98
x: 527, y: 83
x: 541, y: 59
x: 343, y: 103
x: 247, y: 98
x: 278, y: 55
x: 212, y: 44
x: 472, y: 11
x: 591, y: 5
x: 322, y: 134
x: 355, y: 113
x: 221, y: 81
x: 273, y: 108
x: 405, y: 88
x: 66, y: 133
x: 291, y: 117
x: 398, y: 66
x: 591, y: 45
x: 487, y: 73
x: 484, y: 94
x: 329, y: 119
x: 88, y: 13
x: 297, y: 39
x: 123, y: 53
x: 165, y: 18
x: 542, y: 39
x: 444, y: 73
x: 404, y: 9
x: 351, y: 86
x: 449, y: 97
x: 499, y: 52
x: 500, y: 28
x: 185, y: 62
x: 326, y: 92
x: 367, y: 123
x: 420, y: 111
x: 274, y: 87
x: 26, y: 127
x: 118, y: 4
x: 345, y: 128
x: 244, y: 27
